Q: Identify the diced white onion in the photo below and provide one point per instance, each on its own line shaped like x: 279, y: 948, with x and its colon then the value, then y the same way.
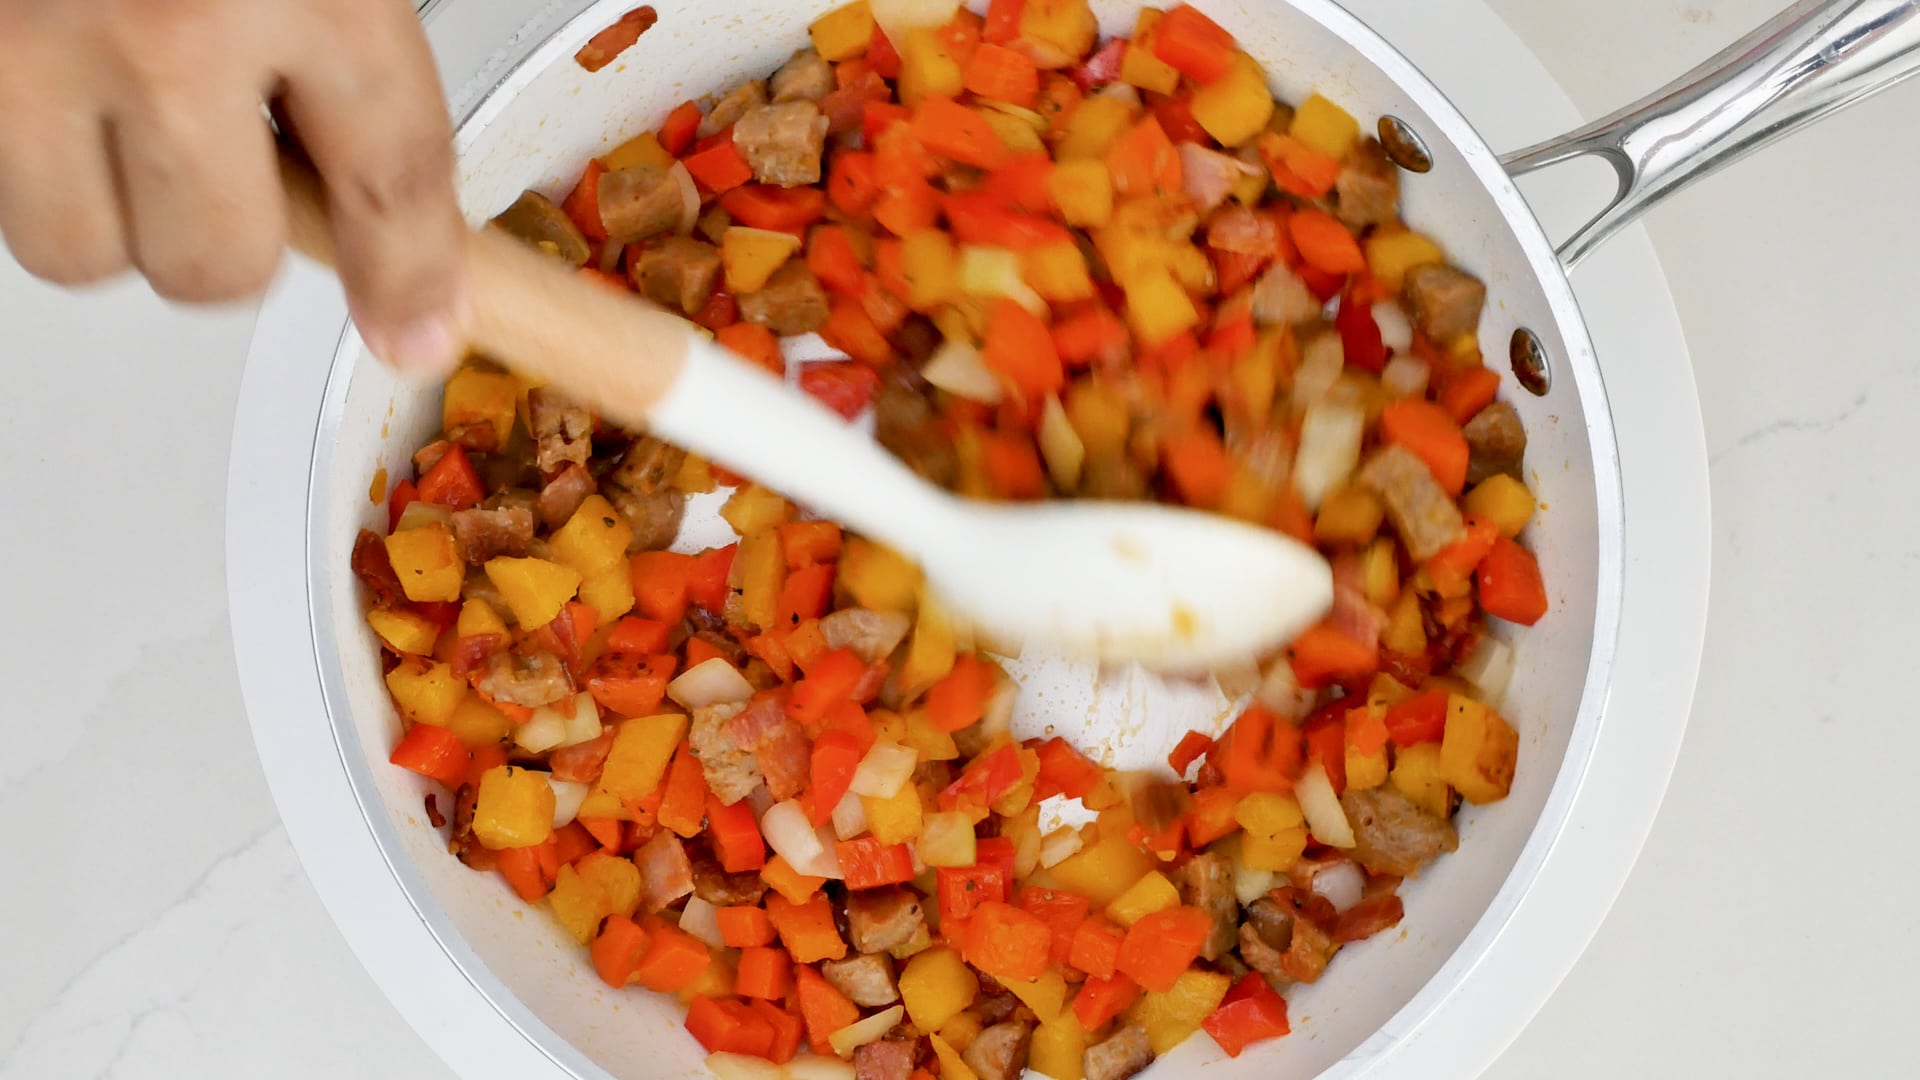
x: 1490, y: 669
x: 790, y: 834
x: 827, y: 863
x: 1061, y: 446
x: 958, y: 368
x: 1321, y: 807
x: 1119, y: 90
x: 1237, y: 679
x: 1405, y: 377
x: 1321, y: 359
x: 1329, y: 450
x: 999, y: 715
x: 992, y: 271
x: 1059, y: 846
x: 689, y: 198
x: 567, y: 797
x: 584, y: 724
x: 419, y: 514
x: 1280, y: 297
x: 1280, y: 691
x: 1025, y: 115
x: 1026, y: 853
x: 1250, y: 884
x: 702, y: 920
x: 761, y: 800
x: 543, y: 731
x: 872, y: 635
x: 885, y: 770
x: 1396, y: 332
x: 812, y: 1067
x: 713, y: 681
x: 725, y: 1066
x: 861, y: 1032
x: 896, y: 17
x: 849, y: 816
x: 1342, y: 884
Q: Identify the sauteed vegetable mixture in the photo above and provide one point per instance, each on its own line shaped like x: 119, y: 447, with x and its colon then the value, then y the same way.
x: 774, y: 778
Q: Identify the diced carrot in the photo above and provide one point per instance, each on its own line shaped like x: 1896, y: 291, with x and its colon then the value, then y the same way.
x: 1194, y: 45
x: 1326, y: 737
x: 1008, y: 943
x: 977, y: 217
x: 901, y: 210
x: 1102, y: 999
x: 1324, y: 242
x: 744, y: 926
x: 718, y: 168
x: 831, y: 257
x: 1144, y: 160
x: 835, y: 755
x: 1062, y: 912
x: 1002, y: 74
x: 435, y: 753
x: 604, y: 830
x: 1451, y: 568
x: 1003, y: 21
x: 1162, y: 945
x: 1211, y: 817
x: 824, y: 1009
x: 831, y: 680
x: 676, y: 133
x: 700, y: 650
x: 1192, y: 747
x: 1090, y: 335
x: 1432, y: 434
x: 765, y: 206
x: 521, y: 868
x: 630, y: 684
x: 1323, y: 654
x: 788, y: 882
x: 809, y: 543
x: 1511, y: 587
x: 582, y: 204
x: 727, y: 1026
x: 787, y: 1030
x: 806, y: 594
x: 753, y: 343
x: 707, y: 577
x: 762, y: 972
x: 1298, y: 169
x: 617, y: 951
x: 1012, y: 465
x: 683, y: 807
x: 1020, y: 347
x: 1199, y: 466
x: 735, y: 836
x: 807, y: 930
x: 1465, y: 392
x: 673, y: 960
x: 660, y: 581
x: 850, y: 182
x: 1096, y: 947
x: 960, y: 697
x: 636, y: 635
x: 954, y: 131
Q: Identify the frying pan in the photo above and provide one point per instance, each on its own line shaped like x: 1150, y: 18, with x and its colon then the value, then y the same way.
x: 528, y: 117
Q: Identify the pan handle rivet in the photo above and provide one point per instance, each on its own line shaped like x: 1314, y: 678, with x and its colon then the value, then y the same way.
x: 1530, y: 362
x: 1404, y: 146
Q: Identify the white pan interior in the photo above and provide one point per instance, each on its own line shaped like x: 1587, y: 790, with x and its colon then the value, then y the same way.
x: 539, y: 125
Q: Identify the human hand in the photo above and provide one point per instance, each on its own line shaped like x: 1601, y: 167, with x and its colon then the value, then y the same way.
x: 131, y: 136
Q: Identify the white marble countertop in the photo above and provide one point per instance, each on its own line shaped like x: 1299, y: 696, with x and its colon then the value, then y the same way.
x: 158, y: 925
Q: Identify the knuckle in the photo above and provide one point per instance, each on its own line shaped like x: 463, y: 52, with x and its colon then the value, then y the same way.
x: 205, y: 276
x: 403, y: 178
x: 69, y: 265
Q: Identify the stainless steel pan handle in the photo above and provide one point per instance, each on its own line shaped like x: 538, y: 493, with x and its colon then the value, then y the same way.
x: 1813, y: 59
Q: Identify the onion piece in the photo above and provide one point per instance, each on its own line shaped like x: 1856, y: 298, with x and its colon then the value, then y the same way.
x: 827, y: 863
x: 1490, y: 669
x: 702, y: 920
x: 790, y: 834
x: 1405, y: 377
x: 1321, y: 360
x: 861, y: 1032
x: 1329, y: 450
x: 1321, y: 807
x: 992, y: 271
x: 726, y: 1066
x: 1025, y: 115
x: 543, y: 731
x: 896, y: 17
x: 713, y: 681
x: 872, y: 635
x: 812, y: 1067
x: 1342, y: 884
x: 958, y: 368
x: 885, y: 770
x: 1280, y: 691
x: 1250, y: 884
x: 1058, y: 846
x: 1061, y: 446
x: 567, y: 797
x: 849, y: 817
x: 1120, y: 91
x: 689, y: 199
x: 1396, y: 331
x: 584, y: 725
x: 419, y: 514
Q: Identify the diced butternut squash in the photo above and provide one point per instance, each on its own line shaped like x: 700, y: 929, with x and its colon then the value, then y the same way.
x: 1504, y: 501
x: 1046, y: 995
x: 476, y: 723
x: 514, y: 808
x: 1325, y: 127
x: 1059, y: 1048
x: 1276, y: 832
x: 1157, y: 307
x: 897, y: 818
x: 1057, y: 33
x: 1380, y: 573
x: 753, y: 509
x: 578, y: 904
x: 878, y: 577
x: 636, y: 761
x: 946, y: 839
x: 426, y: 691
x: 1093, y: 128
x: 1391, y: 254
x: 1172, y: 1016
x: 1417, y: 775
x: 478, y: 617
x: 1100, y: 417
x: 427, y: 563
x: 404, y: 631
x: 748, y: 257
x: 843, y: 33
x: 608, y: 592
x: 952, y: 1065
x: 618, y: 878
x: 927, y: 68
x: 1236, y: 108
x: 1058, y: 272
x: 930, y: 653
x: 642, y: 149
x: 936, y: 986
x: 761, y: 570
x: 931, y: 743
x: 1478, y: 751
x: 1151, y: 893
x: 1367, y: 764
x: 927, y: 263
x: 1139, y: 66
x: 1104, y: 871
x: 595, y: 538
x: 535, y: 589
x: 1351, y: 515
x: 1082, y: 190
x: 473, y: 396
x: 1405, y: 632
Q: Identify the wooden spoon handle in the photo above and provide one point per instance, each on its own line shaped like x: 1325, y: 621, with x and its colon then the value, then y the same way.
x: 534, y: 314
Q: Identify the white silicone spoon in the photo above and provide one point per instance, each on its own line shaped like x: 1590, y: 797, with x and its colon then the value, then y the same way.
x: 1116, y: 582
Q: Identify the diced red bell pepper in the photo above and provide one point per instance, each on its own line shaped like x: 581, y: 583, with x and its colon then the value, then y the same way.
x: 869, y: 864
x: 1064, y: 771
x: 452, y: 482
x: 405, y: 493
x: 735, y: 836
x: 1360, y: 340
x: 433, y: 752
x: 1511, y: 587
x: 1421, y: 718
x: 1192, y: 747
x: 678, y: 130
x: 1251, y: 1012
x: 836, y: 754
x: 1260, y: 752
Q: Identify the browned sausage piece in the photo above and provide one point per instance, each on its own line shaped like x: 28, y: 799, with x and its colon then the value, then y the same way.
x: 1423, y: 513
x: 712, y: 883
x: 791, y: 302
x: 480, y: 535
x: 1443, y: 302
x: 731, y: 108
x: 999, y: 1052
x: 678, y: 271
x: 1497, y: 441
x: 649, y: 464
x: 806, y: 77
x: 731, y: 771
x: 638, y: 202
x: 888, y: 1059
x: 1392, y: 835
x: 1368, y: 188
x: 1206, y: 882
x: 881, y: 919
x: 535, y: 219
x: 525, y: 676
x: 562, y: 430
x: 866, y: 980
x: 784, y: 143
x: 1121, y: 1055
x: 563, y: 494
x: 655, y: 518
